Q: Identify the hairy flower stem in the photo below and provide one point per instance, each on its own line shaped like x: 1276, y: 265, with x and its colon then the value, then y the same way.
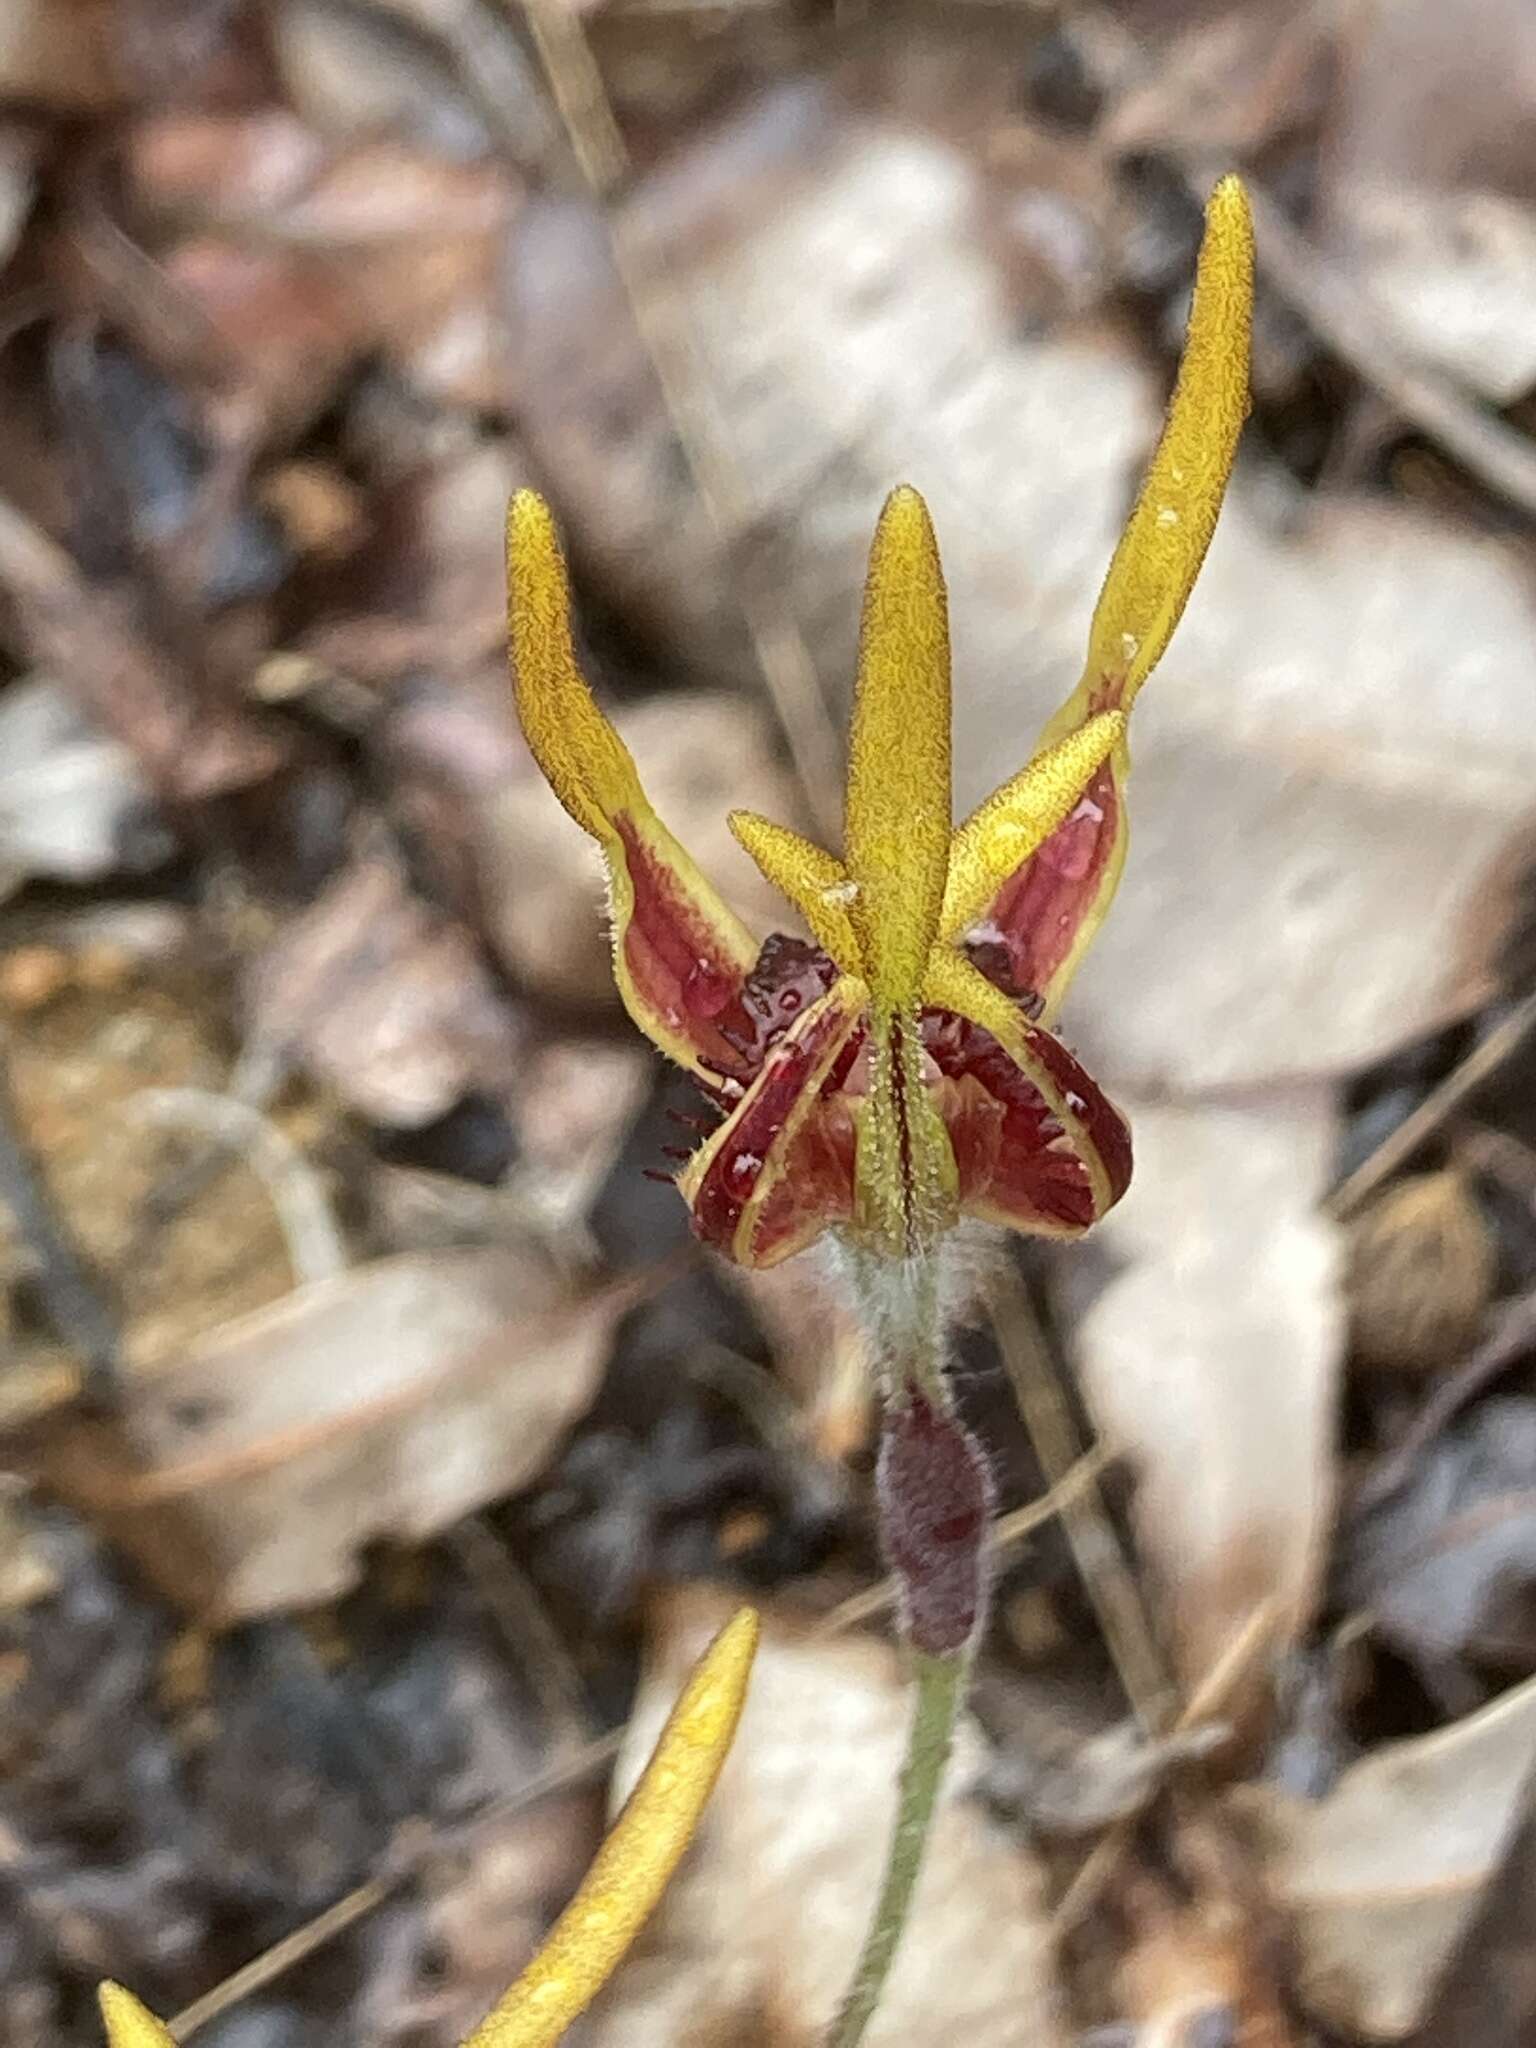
x: 939, y: 1684
x: 935, y: 1500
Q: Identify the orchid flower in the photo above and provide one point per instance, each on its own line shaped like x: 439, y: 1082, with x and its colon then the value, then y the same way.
x: 898, y: 1072
x: 619, y: 1891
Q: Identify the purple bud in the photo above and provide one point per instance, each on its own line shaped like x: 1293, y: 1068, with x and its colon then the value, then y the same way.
x: 935, y: 1500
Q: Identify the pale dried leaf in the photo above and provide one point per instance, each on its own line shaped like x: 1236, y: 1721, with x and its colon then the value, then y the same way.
x: 188, y: 740
x: 74, y: 805
x: 1452, y: 275
x: 758, y: 1936
x: 388, y: 1402
x: 1383, y: 1874
x: 1212, y: 1359
x: 355, y: 72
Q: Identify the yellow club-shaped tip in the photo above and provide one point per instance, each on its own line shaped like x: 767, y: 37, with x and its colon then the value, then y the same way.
x: 642, y: 1850
x: 129, y: 2024
x: 898, y: 813
x: 1164, y: 543
x: 587, y: 765
x: 626, y: 1879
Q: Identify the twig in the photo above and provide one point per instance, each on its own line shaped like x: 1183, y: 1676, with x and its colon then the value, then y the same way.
x: 1480, y: 1064
x: 526, y: 1628
x: 782, y: 656
x: 75, y: 1305
x: 1512, y: 1338
x: 1106, y: 1577
x: 315, y: 1247
x: 284, y: 1955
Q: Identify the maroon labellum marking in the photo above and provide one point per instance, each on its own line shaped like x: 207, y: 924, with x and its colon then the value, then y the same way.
x: 1035, y: 916
x: 788, y: 976
x: 1012, y: 1155
x: 676, y: 963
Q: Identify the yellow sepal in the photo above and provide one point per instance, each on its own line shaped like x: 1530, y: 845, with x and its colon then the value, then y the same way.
x: 1001, y: 834
x: 1159, y: 556
x: 896, y: 834
x: 129, y: 2024
x: 631, y: 1869
x: 664, y: 912
x: 619, y: 1891
x: 814, y: 881
x: 584, y: 761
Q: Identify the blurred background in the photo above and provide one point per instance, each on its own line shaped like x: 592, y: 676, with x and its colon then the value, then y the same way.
x: 375, y: 1449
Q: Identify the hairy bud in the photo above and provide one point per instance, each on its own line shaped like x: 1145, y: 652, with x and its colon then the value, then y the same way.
x: 935, y: 1499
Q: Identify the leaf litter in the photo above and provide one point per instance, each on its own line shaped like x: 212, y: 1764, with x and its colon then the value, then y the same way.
x: 282, y: 336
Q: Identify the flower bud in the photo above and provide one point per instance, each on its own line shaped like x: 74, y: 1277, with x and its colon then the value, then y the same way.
x: 935, y: 1495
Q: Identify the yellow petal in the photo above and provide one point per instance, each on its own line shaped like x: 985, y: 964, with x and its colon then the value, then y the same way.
x: 815, y: 882
x: 129, y: 2024
x: 631, y: 1869
x: 1159, y: 556
x: 898, y: 816
x: 1001, y: 834
x: 680, y: 956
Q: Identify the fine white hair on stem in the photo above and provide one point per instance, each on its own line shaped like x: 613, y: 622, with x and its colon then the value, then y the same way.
x: 315, y: 1246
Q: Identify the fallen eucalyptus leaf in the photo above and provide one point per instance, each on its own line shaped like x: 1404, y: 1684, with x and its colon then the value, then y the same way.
x: 249, y: 1477
x: 384, y: 997
x: 1383, y: 1874
x: 1211, y: 1359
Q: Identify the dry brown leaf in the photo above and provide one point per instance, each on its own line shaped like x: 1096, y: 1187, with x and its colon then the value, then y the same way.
x: 758, y: 1936
x: 287, y: 324
x: 1228, y: 85
x: 1341, y: 726
x: 249, y: 1477
x: 383, y: 996
x: 1383, y: 1874
x: 1212, y: 1358
x: 59, y: 54
x: 429, y: 593
x: 189, y: 742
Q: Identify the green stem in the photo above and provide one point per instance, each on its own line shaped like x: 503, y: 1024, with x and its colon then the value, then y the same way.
x: 939, y: 1687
